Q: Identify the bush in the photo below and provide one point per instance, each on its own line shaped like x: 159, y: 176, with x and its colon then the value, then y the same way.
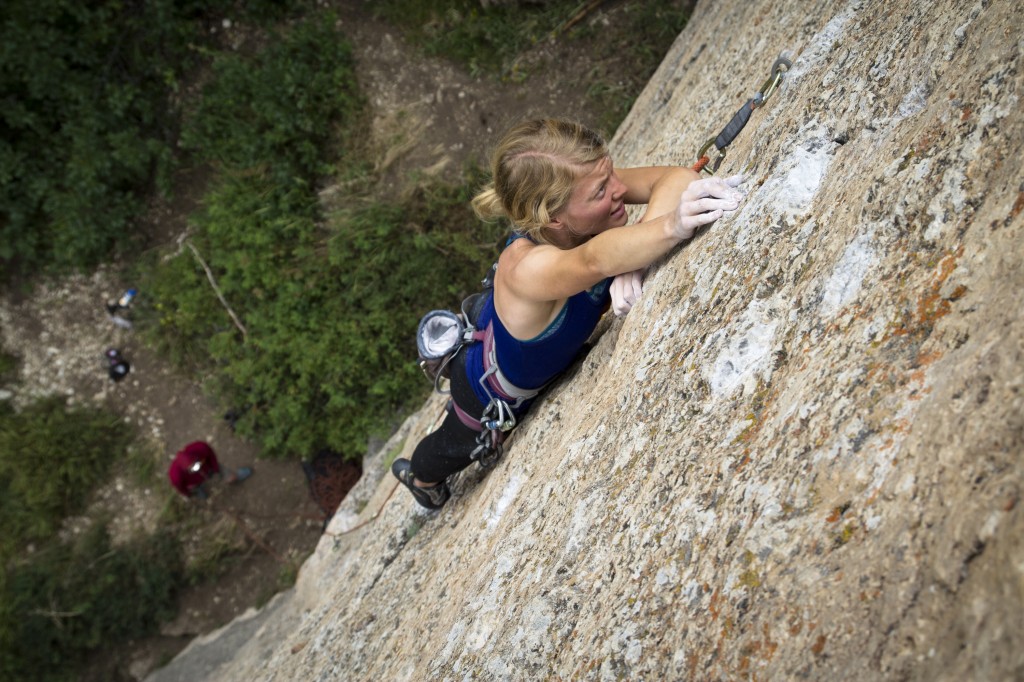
x: 68, y: 600
x: 88, y: 121
x: 50, y: 459
x: 59, y: 601
x: 282, y: 110
x: 83, y: 128
x: 330, y: 312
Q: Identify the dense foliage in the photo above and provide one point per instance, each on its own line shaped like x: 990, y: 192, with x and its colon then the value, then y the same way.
x: 88, y: 119
x: 282, y: 111
x: 330, y: 313
x: 329, y: 303
x: 51, y: 456
x: 59, y: 600
x: 69, y: 599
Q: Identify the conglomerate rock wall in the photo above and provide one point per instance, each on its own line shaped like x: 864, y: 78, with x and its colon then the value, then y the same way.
x: 799, y: 456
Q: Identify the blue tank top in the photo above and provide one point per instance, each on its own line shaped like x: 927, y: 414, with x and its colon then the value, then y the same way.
x: 533, y: 363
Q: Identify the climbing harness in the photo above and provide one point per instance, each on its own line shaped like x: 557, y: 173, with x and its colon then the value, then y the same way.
x: 739, y: 120
x: 440, y: 337
x: 497, y: 418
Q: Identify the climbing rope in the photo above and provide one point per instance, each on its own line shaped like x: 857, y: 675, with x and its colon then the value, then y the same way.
x: 708, y: 165
x: 337, y: 536
x: 366, y: 522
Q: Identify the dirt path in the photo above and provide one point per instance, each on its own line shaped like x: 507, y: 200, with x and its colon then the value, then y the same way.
x: 431, y: 116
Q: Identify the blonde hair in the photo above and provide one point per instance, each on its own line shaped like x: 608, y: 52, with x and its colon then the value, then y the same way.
x: 534, y: 170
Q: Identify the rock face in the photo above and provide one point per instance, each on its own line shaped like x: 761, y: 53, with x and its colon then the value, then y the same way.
x: 800, y: 455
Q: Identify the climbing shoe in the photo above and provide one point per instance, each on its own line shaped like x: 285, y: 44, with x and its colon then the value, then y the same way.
x: 433, y: 497
x: 242, y: 474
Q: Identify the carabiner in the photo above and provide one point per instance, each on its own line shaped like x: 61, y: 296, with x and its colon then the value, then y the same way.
x: 771, y: 84
x: 714, y: 163
x: 498, y: 416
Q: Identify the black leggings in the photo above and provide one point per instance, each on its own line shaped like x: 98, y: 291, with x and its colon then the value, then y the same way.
x: 446, y: 451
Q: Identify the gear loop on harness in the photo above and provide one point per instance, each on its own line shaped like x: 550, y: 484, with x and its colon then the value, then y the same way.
x: 489, y: 439
x: 739, y: 120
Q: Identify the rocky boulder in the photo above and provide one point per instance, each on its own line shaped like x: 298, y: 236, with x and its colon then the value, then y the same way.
x: 800, y: 455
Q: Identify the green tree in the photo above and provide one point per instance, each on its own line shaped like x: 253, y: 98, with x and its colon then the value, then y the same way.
x: 69, y: 599
x: 51, y: 457
x: 89, y: 118
x: 329, y: 302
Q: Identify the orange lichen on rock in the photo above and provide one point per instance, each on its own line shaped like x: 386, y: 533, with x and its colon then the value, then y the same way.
x: 932, y: 305
x: 819, y: 645
x: 1017, y: 207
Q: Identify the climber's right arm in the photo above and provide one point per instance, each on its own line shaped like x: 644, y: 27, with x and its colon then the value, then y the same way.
x: 538, y: 272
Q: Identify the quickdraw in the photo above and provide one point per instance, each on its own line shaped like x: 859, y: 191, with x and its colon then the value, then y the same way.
x: 492, y: 430
x: 708, y: 165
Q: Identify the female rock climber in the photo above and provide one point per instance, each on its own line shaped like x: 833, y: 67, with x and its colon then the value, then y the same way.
x: 571, y: 253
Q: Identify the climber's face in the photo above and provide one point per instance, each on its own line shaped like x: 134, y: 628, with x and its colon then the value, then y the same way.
x: 596, y: 204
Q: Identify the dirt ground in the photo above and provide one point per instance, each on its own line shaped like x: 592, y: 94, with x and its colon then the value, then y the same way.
x: 430, y: 116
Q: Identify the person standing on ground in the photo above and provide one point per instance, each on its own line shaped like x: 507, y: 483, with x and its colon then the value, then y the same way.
x: 570, y: 257
x: 195, y: 464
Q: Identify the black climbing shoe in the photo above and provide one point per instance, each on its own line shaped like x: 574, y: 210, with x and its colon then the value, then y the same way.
x: 431, y: 498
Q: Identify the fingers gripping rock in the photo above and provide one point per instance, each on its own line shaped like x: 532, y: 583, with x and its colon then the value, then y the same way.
x: 625, y: 291
x: 703, y: 202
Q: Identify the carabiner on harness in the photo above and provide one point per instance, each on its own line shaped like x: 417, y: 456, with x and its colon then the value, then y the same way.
x: 488, y: 450
x: 498, y: 416
x: 497, y: 420
x: 739, y: 120
x: 489, y: 439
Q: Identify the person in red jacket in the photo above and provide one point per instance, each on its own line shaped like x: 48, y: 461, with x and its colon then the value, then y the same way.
x: 194, y: 465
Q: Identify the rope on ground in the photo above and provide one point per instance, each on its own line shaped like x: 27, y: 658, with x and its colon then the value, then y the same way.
x: 305, y: 516
x: 578, y: 17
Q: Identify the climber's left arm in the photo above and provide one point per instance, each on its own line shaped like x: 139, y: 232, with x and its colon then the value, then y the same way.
x: 657, y: 186
x: 660, y: 188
